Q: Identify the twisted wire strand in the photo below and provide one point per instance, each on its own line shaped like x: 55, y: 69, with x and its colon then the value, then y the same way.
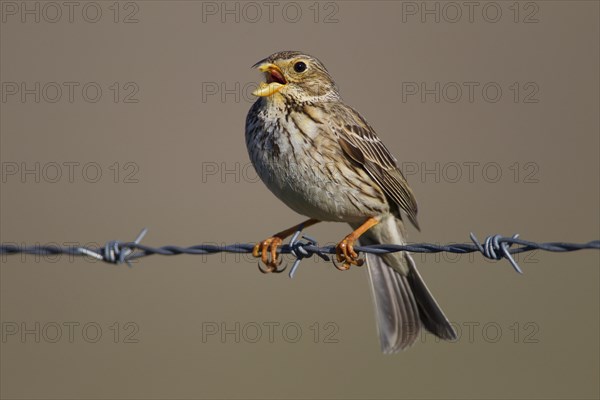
x: 495, y: 247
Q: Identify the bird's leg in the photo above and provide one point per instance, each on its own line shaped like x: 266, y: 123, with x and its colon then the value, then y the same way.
x: 270, y: 245
x: 344, y: 251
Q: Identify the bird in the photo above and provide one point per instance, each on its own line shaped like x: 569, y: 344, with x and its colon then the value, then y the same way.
x: 322, y: 159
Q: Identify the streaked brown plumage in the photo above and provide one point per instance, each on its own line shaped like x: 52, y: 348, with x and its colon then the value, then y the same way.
x: 321, y: 158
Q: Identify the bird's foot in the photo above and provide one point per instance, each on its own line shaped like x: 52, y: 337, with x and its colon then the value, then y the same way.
x: 267, y: 251
x: 345, y: 254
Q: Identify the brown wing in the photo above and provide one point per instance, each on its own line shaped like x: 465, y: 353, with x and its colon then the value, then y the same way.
x: 360, y: 142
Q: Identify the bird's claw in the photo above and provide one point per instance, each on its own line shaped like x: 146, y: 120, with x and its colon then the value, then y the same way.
x: 267, y: 251
x: 345, y: 254
x: 271, y: 268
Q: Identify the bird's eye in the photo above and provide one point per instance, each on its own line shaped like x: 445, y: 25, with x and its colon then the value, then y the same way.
x: 300, y: 67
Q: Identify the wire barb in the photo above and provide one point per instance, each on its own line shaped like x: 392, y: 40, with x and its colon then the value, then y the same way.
x: 114, y: 252
x: 492, y: 247
x: 495, y: 247
x: 297, y: 249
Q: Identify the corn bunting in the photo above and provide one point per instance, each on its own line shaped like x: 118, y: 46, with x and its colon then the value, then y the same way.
x: 323, y: 160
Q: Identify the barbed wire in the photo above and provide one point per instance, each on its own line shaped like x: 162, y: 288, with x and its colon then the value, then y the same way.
x: 495, y: 247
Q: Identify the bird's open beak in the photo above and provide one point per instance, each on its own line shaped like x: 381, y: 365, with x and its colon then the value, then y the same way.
x: 274, y: 80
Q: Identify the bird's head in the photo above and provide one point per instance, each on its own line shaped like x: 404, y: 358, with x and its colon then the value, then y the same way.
x: 295, y: 75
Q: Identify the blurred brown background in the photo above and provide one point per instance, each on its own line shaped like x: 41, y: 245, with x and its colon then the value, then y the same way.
x: 139, y: 122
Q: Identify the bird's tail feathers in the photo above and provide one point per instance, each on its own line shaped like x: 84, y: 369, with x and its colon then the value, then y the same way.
x: 403, y: 303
